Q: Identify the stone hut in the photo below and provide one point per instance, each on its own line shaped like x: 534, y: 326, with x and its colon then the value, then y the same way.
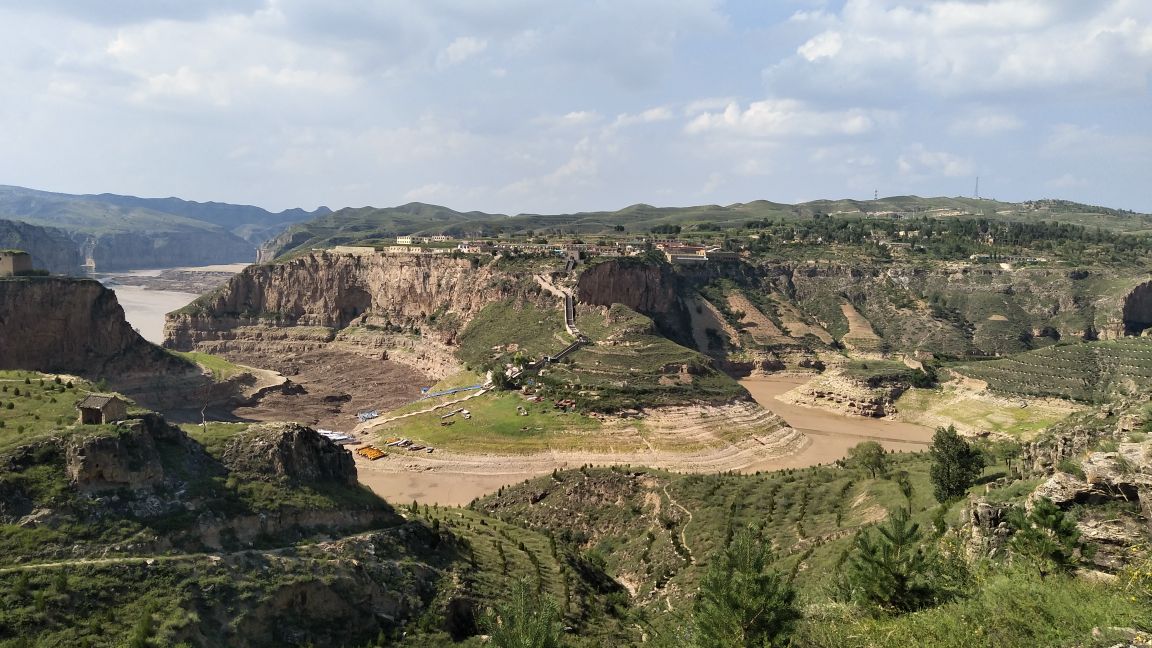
x: 14, y: 262
x: 96, y: 409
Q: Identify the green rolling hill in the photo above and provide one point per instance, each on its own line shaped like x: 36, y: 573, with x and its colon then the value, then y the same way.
x: 367, y: 224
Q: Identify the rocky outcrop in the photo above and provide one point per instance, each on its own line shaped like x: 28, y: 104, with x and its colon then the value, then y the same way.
x: 130, y: 456
x: 987, y: 527
x: 1077, y: 434
x: 1121, y: 478
x: 1137, y: 313
x: 289, y: 451
x: 127, y: 460
x: 76, y: 326
x: 51, y: 248
x: 431, y: 294
x: 1121, y: 475
x: 145, y: 468
x: 839, y: 393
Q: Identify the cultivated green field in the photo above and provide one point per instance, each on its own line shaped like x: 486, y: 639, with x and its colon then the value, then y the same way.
x: 1090, y: 372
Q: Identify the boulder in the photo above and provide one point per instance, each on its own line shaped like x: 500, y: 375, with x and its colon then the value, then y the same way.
x: 1065, y: 490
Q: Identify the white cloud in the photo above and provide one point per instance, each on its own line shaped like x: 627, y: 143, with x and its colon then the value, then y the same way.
x: 652, y: 115
x: 573, y: 118
x: 515, y: 105
x: 707, y: 104
x: 581, y: 169
x: 461, y: 50
x: 965, y: 47
x: 824, y: 45
x: 985, y: 123
x: 786, y: 118
x: 919, y: 161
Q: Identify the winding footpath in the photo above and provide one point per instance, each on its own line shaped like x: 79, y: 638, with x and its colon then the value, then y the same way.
x: 377, y: 422
x: 683, y: 538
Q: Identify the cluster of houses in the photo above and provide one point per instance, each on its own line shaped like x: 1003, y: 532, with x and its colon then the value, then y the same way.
x: 685, y: 253
x: 675, y: 251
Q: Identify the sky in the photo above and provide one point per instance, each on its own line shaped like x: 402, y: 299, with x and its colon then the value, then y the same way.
x: 518, y: 106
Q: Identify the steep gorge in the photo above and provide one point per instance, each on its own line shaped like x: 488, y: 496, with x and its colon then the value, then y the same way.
x: 190, y: 247
x: 76, y: 326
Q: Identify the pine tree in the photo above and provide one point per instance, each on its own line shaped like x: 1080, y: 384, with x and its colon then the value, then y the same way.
x: 904, y: 482
x: 955, y: 464
x: 526, y: 620
x: 1046, y: 537
x: 891, y: 570
x: 741, y: 603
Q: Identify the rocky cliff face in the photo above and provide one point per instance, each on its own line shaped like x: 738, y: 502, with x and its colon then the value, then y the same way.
x: 948, y: 308
x: 146, y: 468
x: 957, y: 309
x: 51, y: 249
x: 435, y: 295
x: 655, y: 290
x: 74, y: 326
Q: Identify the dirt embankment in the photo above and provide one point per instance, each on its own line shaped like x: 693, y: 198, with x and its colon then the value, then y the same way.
x: 328, y: 387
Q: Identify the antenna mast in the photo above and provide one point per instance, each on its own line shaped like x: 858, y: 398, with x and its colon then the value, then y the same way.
x: 977, y: 187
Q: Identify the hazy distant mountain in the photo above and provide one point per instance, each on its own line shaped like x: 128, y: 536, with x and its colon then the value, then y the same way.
x: 252, y: 223
x: 118, y: 232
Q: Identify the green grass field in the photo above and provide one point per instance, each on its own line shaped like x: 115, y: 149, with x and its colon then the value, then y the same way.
x: 535, y: 332
x: 34, y: 406
x: 496, y: 427
x: 221, y: 369
x: 214, y: 435
x: 929, y: 406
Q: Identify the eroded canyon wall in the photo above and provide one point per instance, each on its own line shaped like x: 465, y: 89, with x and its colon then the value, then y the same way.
x: 312, y: 300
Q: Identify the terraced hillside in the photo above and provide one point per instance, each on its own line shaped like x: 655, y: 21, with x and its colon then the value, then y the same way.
x: 135, y: 533
x: 653, y: 529
x: 629, y: 364
x: 1092, y: 372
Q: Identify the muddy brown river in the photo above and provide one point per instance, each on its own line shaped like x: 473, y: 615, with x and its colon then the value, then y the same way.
x: 831, y: 434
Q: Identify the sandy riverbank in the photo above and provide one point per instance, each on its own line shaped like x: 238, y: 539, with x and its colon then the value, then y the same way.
x: 831, y: 434
x: 449, y: 479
